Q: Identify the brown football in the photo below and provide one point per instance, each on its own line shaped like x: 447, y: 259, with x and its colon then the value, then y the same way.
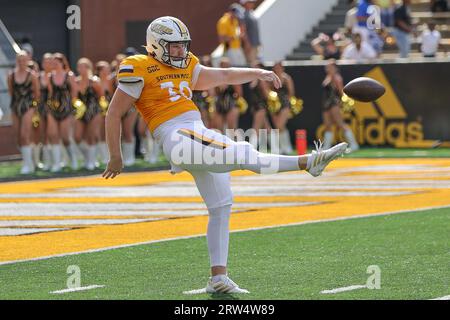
x: 364, y: 89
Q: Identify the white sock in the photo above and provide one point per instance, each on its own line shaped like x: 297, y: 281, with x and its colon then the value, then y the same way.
x: 285, y: 141
x: 56, y: 155
x: 36, y: 153
x: 104, y: 153
x: 145, y: 147
x: 155, y: 152
x: 218, y: 235
x: 46, y: 157
x: 83, y: 148
x: 328, y: 139
x: 275, y: 142
x: 90, y: 158
x: 128, y: 153
x: 27, y: 157
x: 72, y: 151
x: 64, y: 155
x: 348, y: 135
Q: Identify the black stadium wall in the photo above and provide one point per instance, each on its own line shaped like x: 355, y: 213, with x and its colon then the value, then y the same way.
x: 414, y: 112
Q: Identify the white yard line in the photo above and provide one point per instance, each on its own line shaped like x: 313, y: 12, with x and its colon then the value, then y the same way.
x: 344, y: 289
x: 94, y: 286
x: 193, y: 292
x: 442, y: 298
x: 244, y: 230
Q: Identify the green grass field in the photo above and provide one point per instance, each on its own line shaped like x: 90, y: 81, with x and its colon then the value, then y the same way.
x: 294, y: 262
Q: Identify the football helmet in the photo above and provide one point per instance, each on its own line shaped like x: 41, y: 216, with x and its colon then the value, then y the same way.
x: 166, y: 34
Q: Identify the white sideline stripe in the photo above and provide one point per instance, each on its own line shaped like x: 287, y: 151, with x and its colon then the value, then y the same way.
x: 74, y: 222
x: 23, y: 231
x: 158, y: 209
x: 343, y: 289
x: 442, y: 298
x: 94, y: 286
x: 235, y: 231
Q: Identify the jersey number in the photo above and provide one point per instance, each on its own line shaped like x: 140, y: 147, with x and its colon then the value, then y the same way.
x: 184, y: 85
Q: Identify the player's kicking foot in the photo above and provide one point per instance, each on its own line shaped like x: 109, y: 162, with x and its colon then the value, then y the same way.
x: 223, y: 285
x: 319, y: 158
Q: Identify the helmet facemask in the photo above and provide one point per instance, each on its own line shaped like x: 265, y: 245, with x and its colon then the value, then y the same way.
x: 180, y: 61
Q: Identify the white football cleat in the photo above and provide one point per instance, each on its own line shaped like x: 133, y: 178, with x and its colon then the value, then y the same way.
x: 224, y: 285
x: 320, y: 158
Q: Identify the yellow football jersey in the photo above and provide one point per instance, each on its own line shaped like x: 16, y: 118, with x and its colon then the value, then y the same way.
x: 166, y: 92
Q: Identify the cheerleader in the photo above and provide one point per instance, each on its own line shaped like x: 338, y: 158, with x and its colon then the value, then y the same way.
x: 331, y: 112
x: 88, y: 119
x: 47, y: 67
x: 63, y: 93
x: 104, y: 73
x: 259, y: 91
x: 23, y: 86
x: 280, y: 117
x: 226, y: 113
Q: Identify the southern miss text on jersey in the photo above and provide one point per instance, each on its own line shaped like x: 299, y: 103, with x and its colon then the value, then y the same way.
x: 166, y: 92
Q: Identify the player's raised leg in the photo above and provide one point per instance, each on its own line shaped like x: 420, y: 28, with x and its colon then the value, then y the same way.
x: 193, y: 147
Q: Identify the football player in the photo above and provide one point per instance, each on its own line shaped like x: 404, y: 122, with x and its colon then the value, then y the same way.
x: 160, y: 85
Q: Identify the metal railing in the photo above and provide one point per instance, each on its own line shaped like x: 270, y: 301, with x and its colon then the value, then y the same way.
x: 8, y: 50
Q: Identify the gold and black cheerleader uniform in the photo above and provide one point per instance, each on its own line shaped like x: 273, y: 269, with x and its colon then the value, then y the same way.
x: 104, y: 105
x: 331, y: 97
x: 200, y: 99
x: 256, y: 97
x: 22, y: 95
x: 226, y: 99
x: 60, y: 102
x: 283, y: 94
x: 42, y: 107
x: 90, y: 100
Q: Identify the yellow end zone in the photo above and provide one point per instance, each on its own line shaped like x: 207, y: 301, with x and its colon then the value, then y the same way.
x: 351, y: 187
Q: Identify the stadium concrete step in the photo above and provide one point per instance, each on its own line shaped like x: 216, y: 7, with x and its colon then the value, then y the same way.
x: 329, y: 24
x: 326, y: 28
x: 335, y: 19
x: 425, y: 17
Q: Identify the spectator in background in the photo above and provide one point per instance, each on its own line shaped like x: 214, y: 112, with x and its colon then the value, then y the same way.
x: 387, y: 12
x: 350, y: 17
x: 403, y: 28
x: 439, y: 5
x: 362, y: 15
x: 230, y: 32
x: 368, y: 28
x: 325, y: 46
x: 359, y: 50
x: 252, y: 42
x: 430, y: 39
